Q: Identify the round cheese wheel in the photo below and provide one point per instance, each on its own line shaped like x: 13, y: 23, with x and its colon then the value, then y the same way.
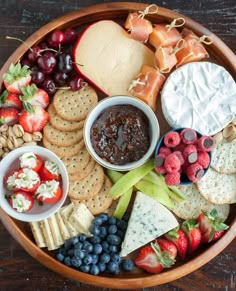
x: 199, y: 95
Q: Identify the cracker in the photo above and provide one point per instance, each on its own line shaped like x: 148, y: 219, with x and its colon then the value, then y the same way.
x: 63, y: 228
x: 64, y: 151
x: 47, y: 233
x: 88, y: 186
x: 56, y: 233
x: 62, y: 138
x: 218, y: 188
x: 102, y: 201
x: 74, y: 105
x: 66, y: 212
x: 194, y: 203
x: 84, y: 172
x: 62, y: 124
x: 77, y: 162
x: 38, y: 234
x: 224, y: 157
x: 112, y: 208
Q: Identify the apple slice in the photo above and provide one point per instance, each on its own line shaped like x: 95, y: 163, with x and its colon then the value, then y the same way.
x: 108, y: 58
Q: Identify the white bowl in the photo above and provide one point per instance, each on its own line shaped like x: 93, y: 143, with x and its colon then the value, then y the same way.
x: 38, y: 212
x: 154, y: 130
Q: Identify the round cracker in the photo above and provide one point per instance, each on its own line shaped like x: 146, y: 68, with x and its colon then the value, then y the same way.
x: 62, y: 138
x: 64, y: 151
x: 77, y: 162
x: 62, y: 124
x: 74, y: 105
x: 218, y: 188
x: 84, y: 172
x: 102, y: 200
x: 88, y: 186
x: 194, y: 203
x: 224, y: 157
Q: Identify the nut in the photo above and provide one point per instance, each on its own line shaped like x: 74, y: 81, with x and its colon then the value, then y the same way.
x: 18, y: 130
x: 27, y: 137
x: 32, y: 143
x: 1, y: 152
x: 6, y: 150
x: 3, y: 128
x: 10, y: 131
x: 37, y: 136
x: 3, y: 141
x: 11, y: 142
x: 18, y: 142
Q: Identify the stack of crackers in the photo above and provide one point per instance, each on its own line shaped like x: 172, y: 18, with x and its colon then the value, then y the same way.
x: 64, y: 136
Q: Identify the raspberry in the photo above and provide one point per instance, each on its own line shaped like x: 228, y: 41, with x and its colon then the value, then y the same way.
x: 172, y: 139
x: 172, y: 163
x: 180, y: 147
x: 195, y: 172
x: 164, y: 150
x: 203, y: 159
x: 172, y: 178
x: 206, y: 143
x: 159, y: 163
x: 180, y: 156
x: 188, y: 136
x: 190, y: 153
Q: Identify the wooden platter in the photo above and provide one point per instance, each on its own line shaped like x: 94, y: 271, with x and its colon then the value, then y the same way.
x: 220, y: 53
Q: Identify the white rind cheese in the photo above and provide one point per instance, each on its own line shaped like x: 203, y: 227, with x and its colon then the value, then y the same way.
x: 149, y: 219
x: 199, y: 95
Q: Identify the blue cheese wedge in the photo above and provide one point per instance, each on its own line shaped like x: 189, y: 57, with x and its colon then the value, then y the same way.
x: 149, y: 219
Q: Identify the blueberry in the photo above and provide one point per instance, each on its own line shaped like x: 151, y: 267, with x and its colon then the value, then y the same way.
x: 103, y: 232
x: 98, y: 221
x: 112, y: 229
x: 120, y: 233
x: 79, y: 253
x: 127, y: 265
x: 95, y: 239
x: 94, y: 229
x: 76, y: 262
x: 62, y: 251
x: 105, y: 258
x: 68, y: 244
x: 82, y: 237
x: 94, y: 270
x: 84, y: 268
x: 112, y: 220
x: 105, y: 246
x: 67, y: 261
x: 101, y: 266
x: 88, y: 259
x: 78, y: 245
x: 104, y: 217
x: 74, y: 240
x: 60, y: 257
x: 122, y: 224
x: 70, y: 252
x: 113, y: 267
x: 95, y: 258
x: 113, y: 239
x: 97, y: 249
x: 115, y: 258
x: 87, y: 247
x: 113, y: 249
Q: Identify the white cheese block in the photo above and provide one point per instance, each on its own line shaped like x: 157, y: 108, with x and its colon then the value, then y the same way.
x: 149, y: 219
x: 109, y: 58
x: 199, y: 95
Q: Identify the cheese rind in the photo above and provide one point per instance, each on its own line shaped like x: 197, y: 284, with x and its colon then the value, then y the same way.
x: 149, y: 219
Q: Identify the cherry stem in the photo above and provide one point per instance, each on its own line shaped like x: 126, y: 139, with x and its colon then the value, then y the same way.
x: 15, y: 38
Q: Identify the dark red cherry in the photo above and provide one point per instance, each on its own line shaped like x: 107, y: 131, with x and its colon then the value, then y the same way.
x: 75, y: 83
x: 48, y: 85
x: 60, y: 78
x: 37, y: 75
x: 47, y: 62
x: 33, y: 54
x: 56, y: 38
x: 70, y: 35
x: 64, y: 63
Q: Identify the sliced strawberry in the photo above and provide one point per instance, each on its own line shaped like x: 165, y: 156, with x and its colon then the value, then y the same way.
x: 49, y: 192
x: 35, y: 120
x: 180, y: 239
x: 17, y: 77
x: 192, y: 230
x: 9, y: 115
x: 168, y: 246
x: 154, y: 258
x: 49, y: 171
x: 32, y: 96
x: 9, y: 180
x: 10, y: 100
x: 31, y: 160
x: 27, y: 180
x: 212, y: 227
x: 21, y: 201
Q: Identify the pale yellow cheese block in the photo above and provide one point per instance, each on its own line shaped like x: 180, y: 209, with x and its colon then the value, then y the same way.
x: 109, y: 58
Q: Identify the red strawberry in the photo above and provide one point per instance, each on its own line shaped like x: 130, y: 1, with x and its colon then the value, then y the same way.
x: 167, y: 245
x: 35, y: 120
x: 33, y: 96
x: 180, y: 239
x: 31, y: 161
x: 9, y: 180
x: 49, y: 171
x: 17, y: 77
x: 52, y: 190
x: 211, y: 226
x: 21, y: 201
x: 27, y: 180
x: 9, y: 115
x: 154, y: 258
x: 192, y: 230
x: 10, y: 100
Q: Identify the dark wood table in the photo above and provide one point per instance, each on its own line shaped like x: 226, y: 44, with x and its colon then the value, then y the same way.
x: 20, y: 18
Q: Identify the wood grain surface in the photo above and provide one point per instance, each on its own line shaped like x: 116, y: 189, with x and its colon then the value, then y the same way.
x: 20, y: 18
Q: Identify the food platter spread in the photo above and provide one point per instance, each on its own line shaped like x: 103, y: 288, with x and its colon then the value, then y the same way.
x: 64, y: 136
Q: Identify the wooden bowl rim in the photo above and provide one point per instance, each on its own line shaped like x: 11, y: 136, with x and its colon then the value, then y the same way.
x: 143, y: 280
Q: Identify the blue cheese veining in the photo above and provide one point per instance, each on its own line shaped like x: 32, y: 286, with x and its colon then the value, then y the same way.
x: 149, y: 220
